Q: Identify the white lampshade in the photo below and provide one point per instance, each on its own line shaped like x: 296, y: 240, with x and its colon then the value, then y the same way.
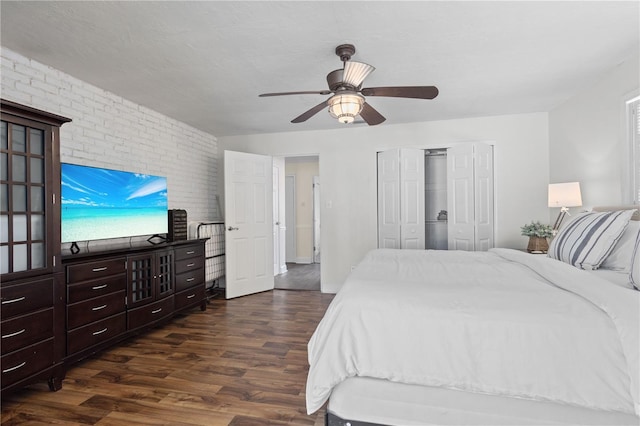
x: 355, y: 73
x: 565, y: 194
x: 345, y: 106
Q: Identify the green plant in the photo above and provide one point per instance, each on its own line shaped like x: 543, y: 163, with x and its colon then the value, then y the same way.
x: 537, y: 229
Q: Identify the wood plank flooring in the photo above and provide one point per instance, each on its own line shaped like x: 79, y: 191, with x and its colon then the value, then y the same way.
x: 241, y: 362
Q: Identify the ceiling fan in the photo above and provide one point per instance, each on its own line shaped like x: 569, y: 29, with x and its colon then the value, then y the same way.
x: 347, y: 100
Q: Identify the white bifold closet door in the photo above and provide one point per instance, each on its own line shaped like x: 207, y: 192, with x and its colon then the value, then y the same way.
x: 470, y: 197
x: 401, y: 199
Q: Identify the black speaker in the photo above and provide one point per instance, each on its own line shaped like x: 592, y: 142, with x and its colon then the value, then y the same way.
x: 177, y: 225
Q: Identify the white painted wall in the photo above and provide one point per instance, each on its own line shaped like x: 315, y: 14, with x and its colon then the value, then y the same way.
x: 109, y: 131
x: 348, y: 172
x: 587, y: 138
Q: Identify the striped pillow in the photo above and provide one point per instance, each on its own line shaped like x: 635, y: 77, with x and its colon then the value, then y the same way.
x: 587, y: 240
x: 634, y: 276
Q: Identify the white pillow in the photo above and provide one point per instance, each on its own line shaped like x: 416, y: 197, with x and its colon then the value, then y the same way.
x: 588, y: 239
x: 621, y: 257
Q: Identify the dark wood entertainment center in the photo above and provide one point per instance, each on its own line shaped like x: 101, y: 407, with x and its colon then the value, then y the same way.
x: 58, y: 308
x: 115, y: 294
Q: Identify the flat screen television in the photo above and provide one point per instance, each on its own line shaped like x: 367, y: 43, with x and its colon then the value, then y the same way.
x: 99, y: 203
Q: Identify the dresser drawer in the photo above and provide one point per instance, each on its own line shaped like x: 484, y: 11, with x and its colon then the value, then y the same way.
x: 95, y: 288
x: 186, y: 265
x: 25, y: 362
x: 194, y: 250
x: 25, y: 330
x: 148, y: 314
x: 190, y: 279
x: 23, y: 298
x: 91, y: 310
x: 97, y: 269
x: 191, y: 297
x: 94, y: 333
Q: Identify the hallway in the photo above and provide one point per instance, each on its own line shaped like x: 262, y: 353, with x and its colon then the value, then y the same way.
x: 299, y: 276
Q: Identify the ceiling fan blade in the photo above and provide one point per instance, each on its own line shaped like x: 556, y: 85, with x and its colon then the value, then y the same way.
x: 310, y: 113
x: 417, y: 92
x: 318, y: 92
x: 355, y: 73
x: 371, y: 115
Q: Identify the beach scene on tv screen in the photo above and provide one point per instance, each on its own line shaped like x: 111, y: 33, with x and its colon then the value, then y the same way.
x: 101, y: 203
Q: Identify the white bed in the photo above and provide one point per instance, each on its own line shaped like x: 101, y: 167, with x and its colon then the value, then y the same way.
x: 498, y: 337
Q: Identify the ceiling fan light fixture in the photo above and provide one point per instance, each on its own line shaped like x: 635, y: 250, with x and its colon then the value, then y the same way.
x: 356, y: 72
x: 345, y: 106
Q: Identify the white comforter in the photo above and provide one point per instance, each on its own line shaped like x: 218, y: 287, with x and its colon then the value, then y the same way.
x: 501, y: 322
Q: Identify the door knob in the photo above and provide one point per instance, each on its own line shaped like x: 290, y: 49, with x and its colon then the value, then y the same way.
x: 231, y: 228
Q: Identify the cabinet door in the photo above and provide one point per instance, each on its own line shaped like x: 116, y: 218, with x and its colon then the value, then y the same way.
x: 141, y: 279
x: 29, y: 236
x: 164, y: 274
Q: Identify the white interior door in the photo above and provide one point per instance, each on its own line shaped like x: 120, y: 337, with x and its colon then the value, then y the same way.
x: 279, y: 213
x: 460, y: 197
x: 248, y: 192
x: 389, y: 199
x: 276, y: 223
x: 412, y: 205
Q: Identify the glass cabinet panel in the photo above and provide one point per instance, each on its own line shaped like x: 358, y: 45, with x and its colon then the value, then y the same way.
x: 4, y: 259
x: 19, y: 198
x: 4, y: 143
x: 37, y: 227
x: 37, y: 170
x: 19, y: 168
x: 37, y: 199
x: 37, y: 255
x: 19, y: 257
x: 36, y: 141
x: 18, y: 138
x: 19, y: 227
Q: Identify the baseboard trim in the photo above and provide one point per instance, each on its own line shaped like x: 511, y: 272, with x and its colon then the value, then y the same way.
x: 305, y: 260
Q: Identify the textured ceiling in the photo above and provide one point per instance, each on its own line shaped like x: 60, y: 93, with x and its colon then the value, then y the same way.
x: 204, y: 63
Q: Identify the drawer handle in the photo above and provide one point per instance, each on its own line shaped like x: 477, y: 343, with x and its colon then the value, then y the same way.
x: 191, y: 296
x: 191, y: 252
x: 99, y: 287
x: 190, y: 265
x: 104, y: 268
x: 19, y: 299
x: 97, y: 308
x: 6, y: 336
x: 156, y: 311
x: 9, y: 370
x: 95, y: 333
x: 190, y: 279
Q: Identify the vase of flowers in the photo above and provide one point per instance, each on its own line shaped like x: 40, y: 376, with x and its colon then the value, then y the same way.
x: 538, y: 234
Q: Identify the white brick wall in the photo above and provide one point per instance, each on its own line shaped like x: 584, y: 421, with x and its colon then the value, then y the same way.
x: 110, y: 131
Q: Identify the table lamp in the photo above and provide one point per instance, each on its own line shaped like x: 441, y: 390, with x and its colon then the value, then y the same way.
x: 564, y: 195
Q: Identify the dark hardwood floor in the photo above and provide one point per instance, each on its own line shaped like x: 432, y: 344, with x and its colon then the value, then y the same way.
x: 299, y: 276
x: 241, y: 362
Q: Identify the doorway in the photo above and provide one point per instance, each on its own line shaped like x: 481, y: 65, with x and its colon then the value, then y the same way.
x: 301, y: 194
